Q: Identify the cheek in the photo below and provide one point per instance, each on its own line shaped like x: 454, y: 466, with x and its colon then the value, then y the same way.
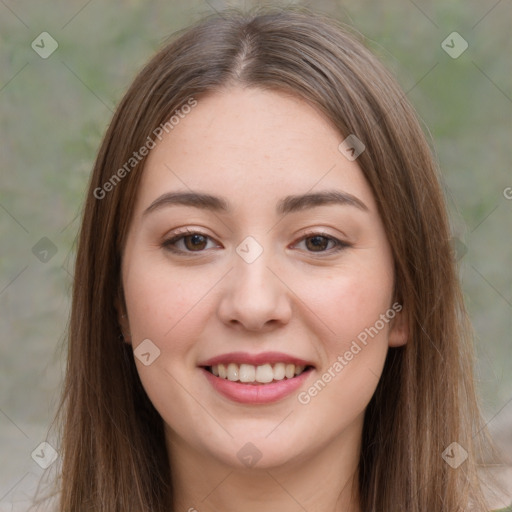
x: 161, y: 303
x: 349, y: 300
x: 166, y: 306
x: 354, y: 353
x: 352, y: 315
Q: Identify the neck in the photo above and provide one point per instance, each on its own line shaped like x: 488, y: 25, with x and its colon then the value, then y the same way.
x: 325, y: 481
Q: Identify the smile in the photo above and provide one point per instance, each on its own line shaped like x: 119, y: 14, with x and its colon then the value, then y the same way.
x: 256, y: 378
x: 261, y: 374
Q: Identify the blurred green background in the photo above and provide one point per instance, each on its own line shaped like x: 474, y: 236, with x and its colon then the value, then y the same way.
x: 54, y: 111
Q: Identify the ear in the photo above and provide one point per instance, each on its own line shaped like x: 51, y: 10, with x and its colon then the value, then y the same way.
x: 399, y: 328
x: 122, y: 317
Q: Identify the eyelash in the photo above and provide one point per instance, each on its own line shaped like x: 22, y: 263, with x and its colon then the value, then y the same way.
x: 170, y: 243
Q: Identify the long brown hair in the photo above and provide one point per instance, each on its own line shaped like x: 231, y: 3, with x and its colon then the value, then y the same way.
x: 113, y: 448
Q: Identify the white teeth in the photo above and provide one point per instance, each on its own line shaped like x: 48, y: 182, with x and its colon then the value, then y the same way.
x: 247, y: 373
x: 279, y: 371
x: 233, y: 371
x: 263, y: 374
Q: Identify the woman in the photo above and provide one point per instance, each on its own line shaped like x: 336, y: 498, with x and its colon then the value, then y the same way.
x: 266, y: 311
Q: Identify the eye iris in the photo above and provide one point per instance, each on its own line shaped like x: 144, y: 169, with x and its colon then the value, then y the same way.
x: 196, y: 239
x: 318, y: 242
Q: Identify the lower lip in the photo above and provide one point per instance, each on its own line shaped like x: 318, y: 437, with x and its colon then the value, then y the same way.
x: 256, y: 393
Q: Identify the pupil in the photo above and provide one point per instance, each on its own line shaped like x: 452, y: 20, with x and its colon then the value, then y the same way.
x: 319, y: 241
x: 195, y: 240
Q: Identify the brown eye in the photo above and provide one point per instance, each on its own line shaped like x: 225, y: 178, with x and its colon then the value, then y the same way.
x: 322, y: 243
x: 195, y: 242
x: 190, y: 242
x: 187, y: 243
x: 317, y: 243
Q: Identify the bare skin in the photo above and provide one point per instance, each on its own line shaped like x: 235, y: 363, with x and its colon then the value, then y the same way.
x: 299, y: 296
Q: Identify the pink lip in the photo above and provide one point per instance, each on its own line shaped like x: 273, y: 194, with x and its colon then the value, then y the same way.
x: 255, y: 359
x: 255, y: 393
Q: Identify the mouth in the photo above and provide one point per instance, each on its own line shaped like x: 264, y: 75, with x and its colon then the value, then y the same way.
x: 256, y: 378
x: 257, y: 375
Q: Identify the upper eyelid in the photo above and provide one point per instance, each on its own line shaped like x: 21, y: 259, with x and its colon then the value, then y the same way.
x: 309, y: 234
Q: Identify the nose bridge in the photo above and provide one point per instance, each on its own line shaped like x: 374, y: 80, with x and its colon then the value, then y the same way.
x: 252, y: 275
x: 254, y: 296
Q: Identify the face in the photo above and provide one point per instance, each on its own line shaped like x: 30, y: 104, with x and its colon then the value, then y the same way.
x: 258, y: 282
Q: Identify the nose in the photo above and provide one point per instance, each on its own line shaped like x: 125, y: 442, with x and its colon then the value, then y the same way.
x: 255, y: 296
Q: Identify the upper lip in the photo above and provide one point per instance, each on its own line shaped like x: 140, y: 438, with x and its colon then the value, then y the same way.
x: 255, y: 359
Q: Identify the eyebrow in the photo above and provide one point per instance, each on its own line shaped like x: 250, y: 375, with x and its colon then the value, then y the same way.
x: 288, y: 204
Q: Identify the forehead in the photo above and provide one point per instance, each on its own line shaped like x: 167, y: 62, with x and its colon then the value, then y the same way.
x: 251, y: 142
